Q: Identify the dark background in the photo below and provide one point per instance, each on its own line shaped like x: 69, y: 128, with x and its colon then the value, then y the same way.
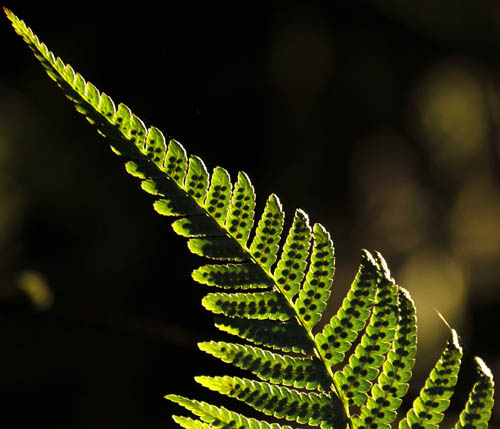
x: 379, y: 119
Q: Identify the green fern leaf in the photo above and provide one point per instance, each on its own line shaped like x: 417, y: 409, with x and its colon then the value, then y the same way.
x: 336, y: 337
x: 434, y: 398
x: 221, y: 248
x: 241, y: 212
x: 287, y: 337
x: 220, y: 416
x: 189, y: 423
x: 258, y: 305
x: 315, y: 291
x: 219, y: 195
x: 281, y: 402
x: 355, y: 379
x: 175, y: 160
x: 155, y: 142
x: 477, y: 411
x: 175, y: 205
x: 289, y: 272
x: 380, y: 409
x: 264, y: 246
x: 197, y: 226
x: 217, y: 218
x: 246, y: 276
x: 196, y: 180
x: 299, y: 372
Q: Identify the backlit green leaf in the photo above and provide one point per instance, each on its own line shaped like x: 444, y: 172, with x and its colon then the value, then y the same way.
x: 477, y: 411
x: 241, y: 211
x: 222, y: 248
x: 220, y: 416
x: 197, y: 226
x: 219, y: 195
x: 316, y: 289
x: 258, y: 305
x: 337, y: 336
x: 196, y: 182
x: 265, y: 244
x: 240, y: 276
x: 217, y: 217
x: 176, y: 162
x: 293, y: 371
x: 287, y: 337
x: 290, y: 268
x: 380, y: 409
x: 355, y: 379
x: 281, y: 402
x: 434, y: 398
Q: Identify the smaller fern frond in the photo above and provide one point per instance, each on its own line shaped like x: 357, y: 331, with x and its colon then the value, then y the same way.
x: 232, y: 276
x: 265, y: 244
x: 434, y: 398
x: 355, y: 379
x: 287, y: 337
x: 258, y: 305
x: 197, y: 179
x: 315, y: 291
x: 290, y: 268
x: 189, y: 423
x: 293, y: 371
x: 220, y: 248
x: 241, y: 212
x: 392, y: 384
x: 219, y: 195
x: 196, y: 226
x: 337, y: 336
x: 220, y: 416
x: 477, y: 411
x: 316, y: 409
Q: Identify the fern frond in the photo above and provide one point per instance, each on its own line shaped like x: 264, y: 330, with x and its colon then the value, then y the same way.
x: 241, y: 212
x: 293, y: 283
x: 290, y: 268
x: 189, y: 423
x: 477, y: 411
x: 315, y: 291
x: 354, y: 380
x: 222, y: 248
x: 287, y: 337
x: 234, y: 276
x: 298, y: 372
x: 434, y: 398
x: 220, y: 416
x: 281, y: 402
x: 265, y: 245
x: 336, y: 337
x: 258, y: 305
x: 392, y: 384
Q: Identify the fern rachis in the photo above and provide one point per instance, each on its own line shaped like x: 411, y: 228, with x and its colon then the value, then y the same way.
x: 273, y: 296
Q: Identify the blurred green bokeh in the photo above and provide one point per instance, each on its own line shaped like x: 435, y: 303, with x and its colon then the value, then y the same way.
x: 380, y: 120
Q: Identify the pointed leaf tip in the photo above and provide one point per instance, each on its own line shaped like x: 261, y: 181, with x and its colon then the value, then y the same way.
x: 455, y: 341
x: 483, y: 368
